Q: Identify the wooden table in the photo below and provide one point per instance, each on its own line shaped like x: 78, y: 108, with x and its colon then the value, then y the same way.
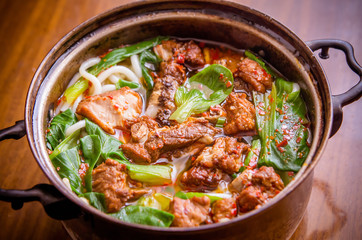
x: 29, y: 29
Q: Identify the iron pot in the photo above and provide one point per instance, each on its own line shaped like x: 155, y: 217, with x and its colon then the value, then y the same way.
x: 214, y: 20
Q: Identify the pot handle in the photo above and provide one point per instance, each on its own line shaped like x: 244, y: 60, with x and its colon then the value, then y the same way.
x: 353, y: 94
x: 55, y: 204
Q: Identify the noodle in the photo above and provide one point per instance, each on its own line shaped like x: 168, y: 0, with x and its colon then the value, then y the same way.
x: 75, y: 127
x: 74, y: 79
x: 118, y: 69
x: 97, y: 88
x: 136, y: 65
x: 113, y: 78
x: 76, y: 102
x: 108, y: 88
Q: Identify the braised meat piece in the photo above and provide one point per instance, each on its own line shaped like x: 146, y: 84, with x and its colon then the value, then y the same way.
x: 251, y: 72
x: 171, y: 76
x: 242, y: 181
x: 226, y: 154
x: 161, y: 104
x: 201, y: 179
x: 110, y: 178
x: 166, y: 49
x: 136, y: 152
x: 111, y: 109
x: 141, y: 129
x: 190, y: 212
x: 193, y: 55
x: 240, y: 114
x: 214, y: 164
x: 223, y: 210
x: 166, y: 139
x: 178, y: 136
x: 189, y: 53
x: 255, y: 187
x: 250, y: 198
x: 267, y: 177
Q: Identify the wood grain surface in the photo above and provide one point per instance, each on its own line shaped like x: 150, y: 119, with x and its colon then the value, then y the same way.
x: 29, y: 29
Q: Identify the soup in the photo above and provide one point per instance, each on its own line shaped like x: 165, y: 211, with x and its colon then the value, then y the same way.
x: 178, y: 133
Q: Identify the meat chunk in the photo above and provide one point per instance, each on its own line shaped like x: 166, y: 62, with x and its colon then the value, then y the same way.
x: 166, y: 49
x: 255, y: 187
x: 223, y: 210
x: 214, y: 164
x: 161, y: 104
x: 240, y: 114
x: 193, y: 55
x: 251, y: 72
x: 226, y: 154
x: 189, y: 53
x: 200, y: 178
x: 141, y: 129
x: 166, y: 139
x: 110, y: 178
x: 190, y: 212
x: 267, y: 177
x: 250, y: 198
x: 242, y: 181
x: 136, y: 152
x: 111, y: 109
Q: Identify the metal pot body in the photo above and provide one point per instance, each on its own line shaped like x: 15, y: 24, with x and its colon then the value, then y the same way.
x: 218, y: 21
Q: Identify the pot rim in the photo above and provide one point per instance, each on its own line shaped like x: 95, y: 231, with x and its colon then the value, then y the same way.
x: 55, y: 180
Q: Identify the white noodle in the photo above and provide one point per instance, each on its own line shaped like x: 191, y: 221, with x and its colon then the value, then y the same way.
x: 74, y: 79
x: 113, y: 78
x: 65, y: 106
x: 96, y: 88
x: 76, y: 102
x: 75, y: 127
x: 118, y: 69
x: 108, y: 87
x: 57, y: 110
x: 136, y: 66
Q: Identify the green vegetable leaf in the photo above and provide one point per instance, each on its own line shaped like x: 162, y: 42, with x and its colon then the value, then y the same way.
x: 209, y: 87
x: 151, y: 58
x: 123, y: 83
x: 58, y: 125
x: 280, y: 117
x: 68, y: 143
x: 67, y: 165
x: 144, y: 215
x: 112, y: 58
x: 121, y: 54
x: 151, y: 174
x: 96, y: 200
x: 188, y: 195
x: 110, y: 146
x: 91, y: 149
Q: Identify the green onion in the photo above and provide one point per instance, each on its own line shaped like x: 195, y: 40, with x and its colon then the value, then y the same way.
x: 220, y: 122
x: 123, y: 83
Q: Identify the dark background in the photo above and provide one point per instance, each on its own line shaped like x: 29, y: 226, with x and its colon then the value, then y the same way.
x: 29, y: 29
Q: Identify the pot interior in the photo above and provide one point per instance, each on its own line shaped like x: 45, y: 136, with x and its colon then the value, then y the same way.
x: 227, y: 23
